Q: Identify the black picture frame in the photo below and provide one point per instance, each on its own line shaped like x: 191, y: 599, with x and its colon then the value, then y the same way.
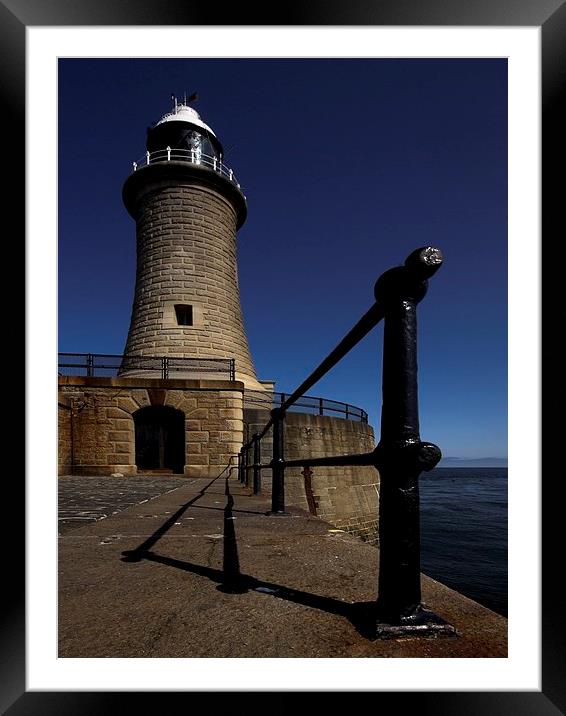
x: 550, y: 16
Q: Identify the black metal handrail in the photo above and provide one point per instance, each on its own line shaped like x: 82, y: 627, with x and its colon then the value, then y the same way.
x: 112, y: 365
x: 305, y: 404
x: 400, y: 455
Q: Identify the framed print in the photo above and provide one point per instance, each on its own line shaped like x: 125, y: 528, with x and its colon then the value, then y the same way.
x: 22, y: 26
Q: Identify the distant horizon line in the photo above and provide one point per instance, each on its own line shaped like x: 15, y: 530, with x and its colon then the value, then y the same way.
x: 474, y: 461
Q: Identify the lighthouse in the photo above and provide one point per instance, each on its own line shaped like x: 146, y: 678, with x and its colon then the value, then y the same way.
x: 168, y: 405
x: 188, y: 206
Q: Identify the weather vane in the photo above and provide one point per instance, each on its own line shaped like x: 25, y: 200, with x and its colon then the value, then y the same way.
x: 186, y: 101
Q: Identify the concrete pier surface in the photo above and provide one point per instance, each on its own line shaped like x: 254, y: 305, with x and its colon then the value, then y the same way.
x: 197, y: 569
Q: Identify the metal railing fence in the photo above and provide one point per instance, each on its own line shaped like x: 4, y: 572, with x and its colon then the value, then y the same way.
x: 306, y: 404
x: 400, y: 455
x: 112, y: 365
x: 187, y: 155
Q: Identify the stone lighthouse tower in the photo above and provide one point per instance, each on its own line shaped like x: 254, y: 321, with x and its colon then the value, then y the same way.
x: 187, y: 205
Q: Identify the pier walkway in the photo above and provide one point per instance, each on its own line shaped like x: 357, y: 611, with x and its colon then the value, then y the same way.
x: 197, y: 569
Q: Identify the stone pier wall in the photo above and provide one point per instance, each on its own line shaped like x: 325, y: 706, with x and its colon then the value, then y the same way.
x: 96, y: 425
x: 65, y: 435
x: 347, y: 497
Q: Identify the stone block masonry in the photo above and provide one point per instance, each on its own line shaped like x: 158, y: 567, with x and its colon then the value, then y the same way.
x: 65, y: 434
x: 186, y: 257
x: 97, y: 431
x: 347, y: 497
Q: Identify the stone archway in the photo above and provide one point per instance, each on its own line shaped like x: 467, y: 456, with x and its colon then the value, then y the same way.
x: 160, y: 439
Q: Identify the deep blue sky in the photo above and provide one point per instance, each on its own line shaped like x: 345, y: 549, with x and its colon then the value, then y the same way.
x: 347, y: 165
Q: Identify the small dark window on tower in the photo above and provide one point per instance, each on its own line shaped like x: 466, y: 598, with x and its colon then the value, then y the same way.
x: 184, y: 315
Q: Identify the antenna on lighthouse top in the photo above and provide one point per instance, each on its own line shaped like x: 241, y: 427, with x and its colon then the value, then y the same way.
x: 186, y: 100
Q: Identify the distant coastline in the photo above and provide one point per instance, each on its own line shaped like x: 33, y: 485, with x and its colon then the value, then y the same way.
x: 473, y: 462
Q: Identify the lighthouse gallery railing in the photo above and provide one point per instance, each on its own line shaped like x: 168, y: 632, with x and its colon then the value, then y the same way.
x: 400, y: 455
x: 187, y: 155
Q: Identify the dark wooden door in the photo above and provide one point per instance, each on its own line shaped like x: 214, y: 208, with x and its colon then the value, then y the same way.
x: 160, y: 439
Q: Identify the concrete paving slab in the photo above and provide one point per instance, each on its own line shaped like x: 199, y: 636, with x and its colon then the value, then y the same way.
x: 202, y: 571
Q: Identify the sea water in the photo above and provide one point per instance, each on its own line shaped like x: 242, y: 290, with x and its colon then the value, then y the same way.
x: 464, y: 531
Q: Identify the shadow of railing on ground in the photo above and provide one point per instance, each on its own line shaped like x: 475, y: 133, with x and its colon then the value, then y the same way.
x: 139, y: 553
x: 362, y: 615
x: 232, y: 582
x: 223, y: 509
x: 230, y: 579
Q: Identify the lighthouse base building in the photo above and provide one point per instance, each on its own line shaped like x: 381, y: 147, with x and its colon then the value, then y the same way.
x: 184, y: 396
x: 203, y: 424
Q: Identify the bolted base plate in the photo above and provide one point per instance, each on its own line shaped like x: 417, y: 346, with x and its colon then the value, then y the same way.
x: 271, y: 513
x: 422, y: 623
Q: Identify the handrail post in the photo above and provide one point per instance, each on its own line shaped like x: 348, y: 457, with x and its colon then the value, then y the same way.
x: 244, y: 465
x: 90, y: 364
x: 168, y: 154
x: 257, y: 462
x: 400, y: 455
x: 277, y: 464
x: 246, y: 454
x: 241, y: 465
x: 320, y: 406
